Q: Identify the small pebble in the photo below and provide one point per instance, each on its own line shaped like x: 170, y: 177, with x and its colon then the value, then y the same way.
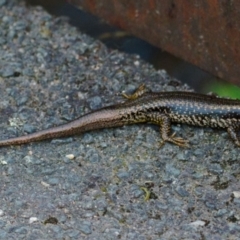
x: 33, y: 219
x: 53, y: 181
x: 95, y: 102
x: 236, y: 194
x: 198, y: 223
x: 1, y: 212
x: 182, y: 192
x: 45, y: 184
x: 70, y: 156
x: 85, y: 227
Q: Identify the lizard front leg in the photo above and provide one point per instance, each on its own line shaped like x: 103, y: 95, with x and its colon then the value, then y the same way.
x: 138, y: 93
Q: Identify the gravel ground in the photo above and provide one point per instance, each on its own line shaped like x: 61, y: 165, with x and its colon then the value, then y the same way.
x: 93, y: 186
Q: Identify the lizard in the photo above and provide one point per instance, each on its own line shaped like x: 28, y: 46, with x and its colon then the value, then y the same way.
x: 145, y: 106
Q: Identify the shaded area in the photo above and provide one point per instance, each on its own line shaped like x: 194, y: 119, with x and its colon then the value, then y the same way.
x: 117, y: 39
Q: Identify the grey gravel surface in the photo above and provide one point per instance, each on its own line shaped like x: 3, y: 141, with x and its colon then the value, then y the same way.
x: 92, y: 186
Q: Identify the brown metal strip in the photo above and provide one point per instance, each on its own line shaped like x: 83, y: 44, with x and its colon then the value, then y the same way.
x: 205, y: 33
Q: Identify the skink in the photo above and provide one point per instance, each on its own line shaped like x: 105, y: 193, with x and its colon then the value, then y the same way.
x: 144, y: 106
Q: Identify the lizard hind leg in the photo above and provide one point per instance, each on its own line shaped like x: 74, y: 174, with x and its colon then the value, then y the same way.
x: 233, y: 134
x: 138, y: 93
x: 165, y: 127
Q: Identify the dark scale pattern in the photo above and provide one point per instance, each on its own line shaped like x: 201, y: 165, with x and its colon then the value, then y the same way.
x: 183, y: 107
x: 189, y: 108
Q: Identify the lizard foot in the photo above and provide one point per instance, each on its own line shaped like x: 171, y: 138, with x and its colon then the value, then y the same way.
x: 177, y: 140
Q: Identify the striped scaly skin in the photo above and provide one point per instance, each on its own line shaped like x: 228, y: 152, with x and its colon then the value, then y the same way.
x: 143, y: 106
